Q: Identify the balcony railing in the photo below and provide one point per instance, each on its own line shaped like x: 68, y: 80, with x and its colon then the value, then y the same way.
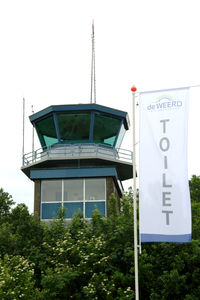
x: 73, y: 151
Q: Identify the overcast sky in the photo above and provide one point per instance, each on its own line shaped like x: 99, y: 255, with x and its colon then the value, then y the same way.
x: 45, y: 56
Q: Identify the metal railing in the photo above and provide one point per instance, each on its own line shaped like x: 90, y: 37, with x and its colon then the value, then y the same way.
x: 76, y: 151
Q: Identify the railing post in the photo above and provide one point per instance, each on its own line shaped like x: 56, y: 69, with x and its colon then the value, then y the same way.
x: 48, y: 151
x: 35, y: 155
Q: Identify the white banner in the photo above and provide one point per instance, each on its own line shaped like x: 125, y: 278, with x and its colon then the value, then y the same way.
x: 165, y: 210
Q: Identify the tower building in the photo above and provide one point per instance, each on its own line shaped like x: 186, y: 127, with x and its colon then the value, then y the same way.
x: 80, y: 162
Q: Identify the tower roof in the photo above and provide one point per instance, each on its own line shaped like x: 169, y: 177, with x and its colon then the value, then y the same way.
x: 81, y: 108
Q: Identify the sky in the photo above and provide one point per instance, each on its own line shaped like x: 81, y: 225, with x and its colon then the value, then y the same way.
x: 45, y: 57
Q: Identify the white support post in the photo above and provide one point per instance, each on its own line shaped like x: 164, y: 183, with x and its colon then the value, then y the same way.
x: 133, y: 89
x: 84, y: 198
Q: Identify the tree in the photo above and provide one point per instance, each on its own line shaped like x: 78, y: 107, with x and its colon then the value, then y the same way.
x: 16, y: 278
x: 95, y: 260
x: 195, y: 188
x: 6, y: 202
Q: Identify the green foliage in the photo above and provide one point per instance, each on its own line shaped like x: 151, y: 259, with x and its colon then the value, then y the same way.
x: 195, y: 199
x: 6, y: 202
x: 195, y: 188
x: 16, y: 278
x: 173, y: 269
x: 93, y: 260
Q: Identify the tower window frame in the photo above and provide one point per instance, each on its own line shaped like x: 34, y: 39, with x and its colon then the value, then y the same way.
x: 92, y: 188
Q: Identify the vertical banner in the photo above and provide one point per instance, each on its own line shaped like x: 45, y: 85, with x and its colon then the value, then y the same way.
x: 165, y: 209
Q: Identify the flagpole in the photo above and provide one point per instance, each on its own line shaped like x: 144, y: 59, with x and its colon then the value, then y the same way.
x: 133, y: 89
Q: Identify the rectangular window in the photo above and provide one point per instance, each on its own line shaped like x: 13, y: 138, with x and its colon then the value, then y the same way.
x: 74, y: 195
x: 73, y: 190
x: 51, y: 198
x: 51, y: 191
x: 95, y: 189
x: 74, y: 128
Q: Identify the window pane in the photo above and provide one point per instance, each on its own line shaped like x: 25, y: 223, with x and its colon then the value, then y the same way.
x: 105, y: 129
x: 50, y: 210
x: 73, y: 190
x: 95, y: 189
x: 74, y: 128
x: 91, y: 206
x: 47, y: 132
x: 120, y: 136
x: 51, y: 190
x: 72, y: 208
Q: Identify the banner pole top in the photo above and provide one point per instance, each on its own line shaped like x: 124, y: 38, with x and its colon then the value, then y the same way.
x: 133, y: 89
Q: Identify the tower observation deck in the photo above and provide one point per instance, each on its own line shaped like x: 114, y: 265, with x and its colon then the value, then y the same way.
x: 80, y: 162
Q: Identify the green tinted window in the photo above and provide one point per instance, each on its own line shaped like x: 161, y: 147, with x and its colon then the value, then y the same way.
x: 47, y: 132
x: 105, y: 129
x: 120, y: 136
x: 74, y: 128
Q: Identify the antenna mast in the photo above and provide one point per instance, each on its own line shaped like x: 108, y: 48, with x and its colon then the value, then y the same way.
x: 93, y: 74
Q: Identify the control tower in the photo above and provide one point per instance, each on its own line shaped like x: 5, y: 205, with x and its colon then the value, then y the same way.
x: 80, y: 162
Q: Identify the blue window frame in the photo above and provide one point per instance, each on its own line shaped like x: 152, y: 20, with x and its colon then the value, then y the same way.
x: 84, y: 195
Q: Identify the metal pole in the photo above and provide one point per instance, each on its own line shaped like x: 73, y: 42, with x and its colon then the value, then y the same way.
x: 133, y: 89
x: 23, y: 131
x: 93, y: 71
x: 92, y: 64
